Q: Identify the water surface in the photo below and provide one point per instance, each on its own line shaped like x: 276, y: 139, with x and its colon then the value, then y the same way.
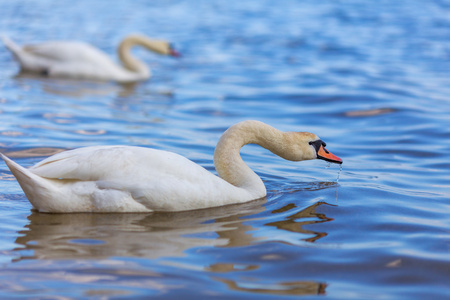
x: 370, y: 78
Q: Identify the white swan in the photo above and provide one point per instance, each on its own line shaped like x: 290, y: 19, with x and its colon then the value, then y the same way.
x: 78, y: 60
x: 136, y: 179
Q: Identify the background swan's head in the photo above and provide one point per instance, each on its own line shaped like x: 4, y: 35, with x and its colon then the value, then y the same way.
x: 163, y: 47
x: 306, y: 146
x: 158, y: 46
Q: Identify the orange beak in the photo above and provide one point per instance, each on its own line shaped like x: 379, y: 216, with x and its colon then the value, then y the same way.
x: 328, y: 156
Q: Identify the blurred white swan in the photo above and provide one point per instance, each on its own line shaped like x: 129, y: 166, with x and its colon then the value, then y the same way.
x: 78, y: 60
x: 136, y: 179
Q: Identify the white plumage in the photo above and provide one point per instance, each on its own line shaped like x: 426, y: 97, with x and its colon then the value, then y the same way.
x: 137, y: 179
x: 78, y: 60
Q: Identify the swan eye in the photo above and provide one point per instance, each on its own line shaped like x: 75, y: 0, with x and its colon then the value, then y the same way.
x: 316, y: 144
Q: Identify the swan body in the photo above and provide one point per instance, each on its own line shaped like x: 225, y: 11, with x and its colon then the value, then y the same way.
x: 137, y: 179
x: 78, y: 60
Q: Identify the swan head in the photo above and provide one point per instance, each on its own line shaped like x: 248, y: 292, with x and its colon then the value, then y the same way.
x: 165, y: 48
x: 158, y: 46
x: 306, y: 146
x: 161, y: 47
x: 323, y: 153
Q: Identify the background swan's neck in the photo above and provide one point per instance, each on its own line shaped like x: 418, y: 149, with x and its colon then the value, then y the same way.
x: 129, y: 61
x: 228, y: 162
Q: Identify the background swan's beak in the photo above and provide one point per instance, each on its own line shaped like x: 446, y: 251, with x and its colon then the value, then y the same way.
x: 328, y: 156
x: 174, y: 52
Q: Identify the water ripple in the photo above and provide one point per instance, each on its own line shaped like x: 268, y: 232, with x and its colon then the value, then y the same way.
x: 369, y: 78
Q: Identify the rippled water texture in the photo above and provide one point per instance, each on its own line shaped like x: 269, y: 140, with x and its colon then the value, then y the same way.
x: 371, y: 78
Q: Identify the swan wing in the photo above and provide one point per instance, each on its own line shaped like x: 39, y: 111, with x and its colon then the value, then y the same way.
x: 159, y: 180
x: 66, y: 51
x: 123, y: 165
x: 72, y: 60
x: 93, y: 163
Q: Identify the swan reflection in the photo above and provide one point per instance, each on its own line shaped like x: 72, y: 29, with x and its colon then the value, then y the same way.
x: 283, y: 288
x: 254, y: 284
x: 295, y: 222
x: 100, y: 238
x: 75, y: 88
x: 154, y: 235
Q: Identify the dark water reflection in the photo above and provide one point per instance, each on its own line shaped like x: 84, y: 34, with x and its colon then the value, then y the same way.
x: 33, y: 152
x: 299, y: 288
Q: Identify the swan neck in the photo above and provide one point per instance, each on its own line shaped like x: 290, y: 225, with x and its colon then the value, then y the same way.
x: 227, y: 159
x: 129, y: 61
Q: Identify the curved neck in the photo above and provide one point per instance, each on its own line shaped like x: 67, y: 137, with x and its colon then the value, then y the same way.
x: 129, y: 61
x: 227, y: 159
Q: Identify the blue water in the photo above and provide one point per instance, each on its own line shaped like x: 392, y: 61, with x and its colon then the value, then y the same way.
x: 371, y: 78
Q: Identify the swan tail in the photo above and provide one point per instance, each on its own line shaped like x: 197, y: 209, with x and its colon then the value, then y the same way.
x: 12, y: 46
x: 30, y: 183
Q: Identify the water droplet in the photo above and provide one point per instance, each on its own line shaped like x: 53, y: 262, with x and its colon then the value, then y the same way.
x: 339, y: 174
